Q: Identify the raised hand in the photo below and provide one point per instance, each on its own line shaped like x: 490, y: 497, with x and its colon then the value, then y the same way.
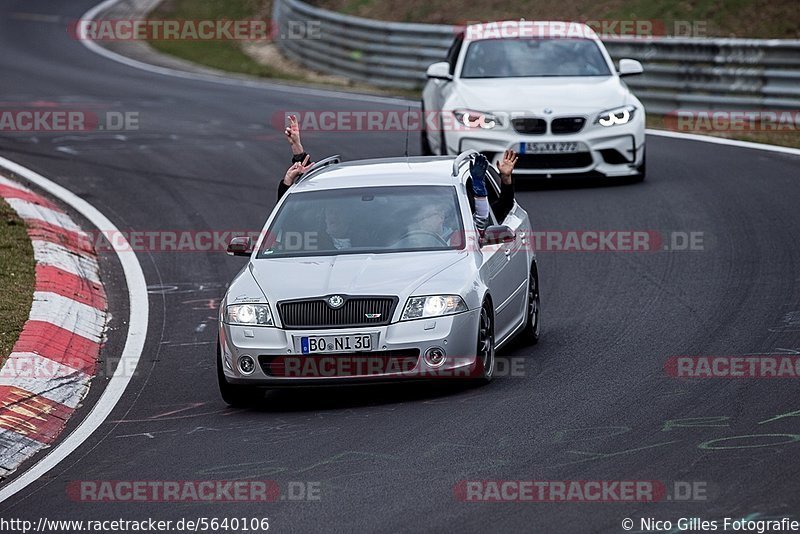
x: 296, y: 170
x: 292, y: 133
x: 506, y: 165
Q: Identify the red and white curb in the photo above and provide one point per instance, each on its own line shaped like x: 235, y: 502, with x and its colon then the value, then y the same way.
x: 49, y: 370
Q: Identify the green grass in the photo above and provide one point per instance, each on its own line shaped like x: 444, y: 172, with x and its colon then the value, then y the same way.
x: 222, y: 55
x: 17, y: 275
x: 778, y: 19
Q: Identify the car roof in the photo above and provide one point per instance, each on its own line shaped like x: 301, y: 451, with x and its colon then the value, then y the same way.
x: 511, y: 29
x: 415, y: 170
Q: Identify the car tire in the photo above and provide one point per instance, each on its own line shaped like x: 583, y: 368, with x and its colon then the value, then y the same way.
x: 484, y: 355
x: 533, y: 311
x: 641, y: 170
x: 234, y: 394
x: 424, y: 143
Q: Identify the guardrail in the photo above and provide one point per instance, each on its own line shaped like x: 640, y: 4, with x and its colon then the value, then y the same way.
x: 680, y: 73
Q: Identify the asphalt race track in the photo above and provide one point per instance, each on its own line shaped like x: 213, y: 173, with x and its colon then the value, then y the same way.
x: 592, y: 401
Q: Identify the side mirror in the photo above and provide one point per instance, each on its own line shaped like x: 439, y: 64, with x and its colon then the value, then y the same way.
x: 439, y: 71
x: 240, y: 246
x: 495, y: 235
x: 629, y: 67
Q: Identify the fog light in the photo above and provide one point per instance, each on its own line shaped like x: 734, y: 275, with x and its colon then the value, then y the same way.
x: 247, y: 364
x: 434, y: 356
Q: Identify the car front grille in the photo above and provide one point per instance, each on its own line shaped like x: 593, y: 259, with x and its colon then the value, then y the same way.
x: 340, y: 364
x: 567, y: 125
x: 554, y: 161
x: 529, y: 125
x: 356, y: 311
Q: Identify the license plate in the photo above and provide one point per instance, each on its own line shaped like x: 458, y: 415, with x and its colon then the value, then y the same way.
x: 558, y: 147
x: 342, y: 343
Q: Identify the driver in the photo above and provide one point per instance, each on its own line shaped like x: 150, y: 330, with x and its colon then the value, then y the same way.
x: 337, y: 229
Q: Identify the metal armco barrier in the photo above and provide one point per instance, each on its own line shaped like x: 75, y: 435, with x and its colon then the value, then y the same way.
x: 680, y: 73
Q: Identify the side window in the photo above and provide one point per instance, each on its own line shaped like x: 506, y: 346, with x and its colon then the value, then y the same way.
x: 452, y: 53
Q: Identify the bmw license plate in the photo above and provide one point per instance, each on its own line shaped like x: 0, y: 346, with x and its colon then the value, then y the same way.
x: 558, y: 147
x: 342, y: 343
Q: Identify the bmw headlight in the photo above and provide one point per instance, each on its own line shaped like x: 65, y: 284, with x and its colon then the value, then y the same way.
x: 433, y: 306
x: 249, y: 315
x: 476, y: 119
x: 613, y: 117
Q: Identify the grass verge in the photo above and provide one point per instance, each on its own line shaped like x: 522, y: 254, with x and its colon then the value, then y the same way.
x: 222, y: 55
x: 17, y: 276
x: 766, y: 19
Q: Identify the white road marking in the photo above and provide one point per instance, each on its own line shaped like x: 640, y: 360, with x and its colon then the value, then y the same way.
x: 723, y: 141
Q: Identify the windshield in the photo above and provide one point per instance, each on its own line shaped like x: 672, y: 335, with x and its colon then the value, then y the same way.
x: 365, y: 221
x: 507, y: 58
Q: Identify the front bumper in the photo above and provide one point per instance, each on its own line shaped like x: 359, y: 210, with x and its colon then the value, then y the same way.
x: 608, y: 151
x: 399, y: 354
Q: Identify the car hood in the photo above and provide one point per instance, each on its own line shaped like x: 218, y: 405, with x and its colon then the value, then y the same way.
x: 585, y: 94
x: 349, y: 274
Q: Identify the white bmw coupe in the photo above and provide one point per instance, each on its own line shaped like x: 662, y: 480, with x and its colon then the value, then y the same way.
x: 548, y: 90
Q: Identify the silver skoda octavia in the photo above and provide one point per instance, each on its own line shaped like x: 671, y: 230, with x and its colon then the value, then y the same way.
x: 374, y: 270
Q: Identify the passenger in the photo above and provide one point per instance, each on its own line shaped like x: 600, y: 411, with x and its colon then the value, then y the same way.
x: 300, y: 159
x: 478, y: 194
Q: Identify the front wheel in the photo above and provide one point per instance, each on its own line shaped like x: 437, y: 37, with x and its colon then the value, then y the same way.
x: 235, y: 394
x: 484, y: 359
x: 533, y: 311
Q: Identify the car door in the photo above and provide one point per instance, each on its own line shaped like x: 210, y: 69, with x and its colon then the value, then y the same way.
x: 506, y: 270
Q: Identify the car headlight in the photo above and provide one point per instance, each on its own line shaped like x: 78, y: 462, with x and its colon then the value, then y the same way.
x: 433, y: 306
x: 613, y: 117
x: 476, y: 119
x: 249, y: 315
